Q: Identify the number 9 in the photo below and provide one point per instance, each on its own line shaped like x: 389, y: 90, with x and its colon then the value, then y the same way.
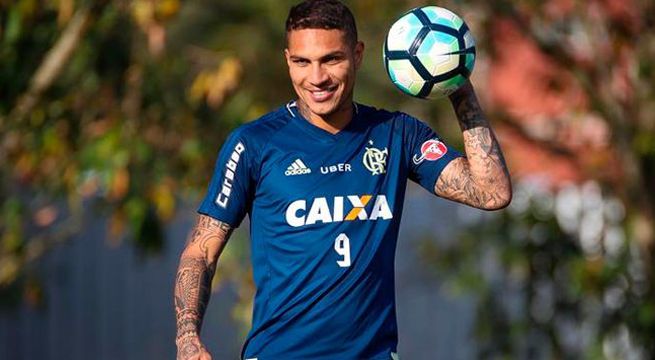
x: 342, y: 247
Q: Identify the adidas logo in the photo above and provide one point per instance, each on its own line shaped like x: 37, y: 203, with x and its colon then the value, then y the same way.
x: 297, y: 168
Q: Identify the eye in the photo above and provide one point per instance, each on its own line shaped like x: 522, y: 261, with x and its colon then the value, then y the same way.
x: 300, y: 62
x: 332, y: 60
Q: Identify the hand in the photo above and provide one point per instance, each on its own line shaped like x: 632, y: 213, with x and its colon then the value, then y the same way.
x: 190, y: 348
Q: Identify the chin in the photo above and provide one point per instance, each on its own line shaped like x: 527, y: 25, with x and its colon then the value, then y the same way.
x: 322, y: 109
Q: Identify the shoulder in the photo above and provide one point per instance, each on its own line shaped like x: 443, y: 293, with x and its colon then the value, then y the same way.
x: 266, y: 124
x: 250, y: 139
x: 374, y: 114
x: 400, y: 121
x: 259, y: 131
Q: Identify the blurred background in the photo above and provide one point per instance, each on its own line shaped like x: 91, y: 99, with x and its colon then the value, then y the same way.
x: 112, y: 114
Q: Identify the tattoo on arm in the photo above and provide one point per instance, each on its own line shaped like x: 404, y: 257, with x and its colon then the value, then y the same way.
x: 193, y: 280
x: 468, y: 110
x: 481, y: 179
x: 208, y: 230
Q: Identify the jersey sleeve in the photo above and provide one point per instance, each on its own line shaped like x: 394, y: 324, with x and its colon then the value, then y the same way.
x: 427, y: 154
x: 229, y: 196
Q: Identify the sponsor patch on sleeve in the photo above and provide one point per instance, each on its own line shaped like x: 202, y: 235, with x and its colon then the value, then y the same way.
x: 431, y: 150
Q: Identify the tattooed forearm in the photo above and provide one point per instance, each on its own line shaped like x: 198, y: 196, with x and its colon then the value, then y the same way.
x: 193, y: 281
x: 468, y: 110
x: 192, y: 288
x: 481, y: 179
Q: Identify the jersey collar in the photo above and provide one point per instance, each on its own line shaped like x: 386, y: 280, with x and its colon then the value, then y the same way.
x: 292, y: 109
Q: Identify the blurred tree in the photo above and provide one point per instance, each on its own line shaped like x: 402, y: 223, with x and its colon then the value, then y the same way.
x: 98, y: 109
x: 567, y: 271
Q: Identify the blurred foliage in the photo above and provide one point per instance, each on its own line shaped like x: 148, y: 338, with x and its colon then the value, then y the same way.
x: 567, y: 270
x: 101, y: 109
x: 554, y: 276
x: 116, y: 109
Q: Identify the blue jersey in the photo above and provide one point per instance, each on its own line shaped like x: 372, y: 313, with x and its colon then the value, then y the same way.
x: 324, y: 214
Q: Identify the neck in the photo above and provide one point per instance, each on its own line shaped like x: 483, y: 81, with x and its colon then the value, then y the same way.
x: 332, y: 123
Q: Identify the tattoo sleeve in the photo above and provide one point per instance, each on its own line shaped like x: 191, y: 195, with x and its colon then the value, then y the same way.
x: 193, y: 280
x: 481, y: 179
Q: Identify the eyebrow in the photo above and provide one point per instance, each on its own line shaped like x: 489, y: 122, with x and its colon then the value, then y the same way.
x: 333, y: 54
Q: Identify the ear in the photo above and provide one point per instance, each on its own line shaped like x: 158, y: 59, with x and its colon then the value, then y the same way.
x: 359, y: 54
x: 287, y: 56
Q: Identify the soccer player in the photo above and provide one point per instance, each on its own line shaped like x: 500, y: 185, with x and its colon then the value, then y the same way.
x: 322, y: 180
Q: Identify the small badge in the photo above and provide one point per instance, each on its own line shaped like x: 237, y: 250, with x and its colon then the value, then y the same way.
x: 297, y: 167
x: 431, y: 150
x: 375, y: 160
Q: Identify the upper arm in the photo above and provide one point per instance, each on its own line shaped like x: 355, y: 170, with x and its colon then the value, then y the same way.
x: 207, y: 239
x: 427, y: 155
x: 230, y: 191
x: 455, y: 182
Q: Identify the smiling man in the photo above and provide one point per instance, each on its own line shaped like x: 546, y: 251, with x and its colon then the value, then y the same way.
x: 322, y: 180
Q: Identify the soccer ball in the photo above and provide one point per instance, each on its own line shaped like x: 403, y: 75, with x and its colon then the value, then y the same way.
x: 429, y: 52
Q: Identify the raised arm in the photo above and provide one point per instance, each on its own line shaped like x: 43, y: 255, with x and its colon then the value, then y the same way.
x: 193, y: 284
x: 481, y: 178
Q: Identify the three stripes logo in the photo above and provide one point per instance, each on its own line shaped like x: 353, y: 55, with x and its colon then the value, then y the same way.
x: 297, y: 168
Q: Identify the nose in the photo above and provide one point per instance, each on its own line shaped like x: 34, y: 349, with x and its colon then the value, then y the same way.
x: 318, y: 75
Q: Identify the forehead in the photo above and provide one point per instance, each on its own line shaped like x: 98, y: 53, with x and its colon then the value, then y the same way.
x: 316, y: 41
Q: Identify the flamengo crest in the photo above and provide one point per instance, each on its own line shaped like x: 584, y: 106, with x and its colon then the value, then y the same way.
x: 375, y: 160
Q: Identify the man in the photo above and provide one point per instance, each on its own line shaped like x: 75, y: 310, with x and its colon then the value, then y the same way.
x: 323, y: 180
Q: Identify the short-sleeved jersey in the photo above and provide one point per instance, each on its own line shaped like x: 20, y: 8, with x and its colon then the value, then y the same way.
x: 324, y: 215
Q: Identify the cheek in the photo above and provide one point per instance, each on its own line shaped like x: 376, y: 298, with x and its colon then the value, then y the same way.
x: 347, y: 74
x: 342, y: 73
x: 295, y: 74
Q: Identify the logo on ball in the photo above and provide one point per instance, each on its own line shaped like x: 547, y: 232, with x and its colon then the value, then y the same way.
x: 431, y: 150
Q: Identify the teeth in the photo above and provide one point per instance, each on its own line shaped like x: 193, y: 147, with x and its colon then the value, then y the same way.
x: 323, y: 91
x: 322, y: 95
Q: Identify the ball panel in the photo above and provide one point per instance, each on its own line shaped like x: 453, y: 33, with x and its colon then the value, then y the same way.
x: 442, y: 16
x: 469, y: 42
x: 402, y: 32
x: 447, y: 63
x: 434, y: 53
x: 470, y: 61
x: 438, y: 43
x: 440, y: 64
x: 404, y: 75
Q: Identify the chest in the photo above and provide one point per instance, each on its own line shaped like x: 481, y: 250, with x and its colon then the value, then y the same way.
x: 299, y: 166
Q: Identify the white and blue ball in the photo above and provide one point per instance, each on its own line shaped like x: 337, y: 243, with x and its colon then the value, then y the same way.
x: 429, y: 52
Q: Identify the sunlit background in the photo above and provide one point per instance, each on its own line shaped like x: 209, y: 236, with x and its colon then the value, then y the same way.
x: 112, y: 113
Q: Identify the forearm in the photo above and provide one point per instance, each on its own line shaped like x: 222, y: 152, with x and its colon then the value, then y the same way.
x: 482, y: 179
x: 480, y: 144
x: 194, y: 277
x: 192, y: 291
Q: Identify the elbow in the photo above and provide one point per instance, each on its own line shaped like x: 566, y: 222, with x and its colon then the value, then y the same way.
x: 501, y: 199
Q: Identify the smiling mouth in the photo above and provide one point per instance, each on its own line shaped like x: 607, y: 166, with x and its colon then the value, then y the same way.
x: 323, y: 94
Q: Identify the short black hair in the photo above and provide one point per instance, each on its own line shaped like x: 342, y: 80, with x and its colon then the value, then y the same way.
x: 322, y: 14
